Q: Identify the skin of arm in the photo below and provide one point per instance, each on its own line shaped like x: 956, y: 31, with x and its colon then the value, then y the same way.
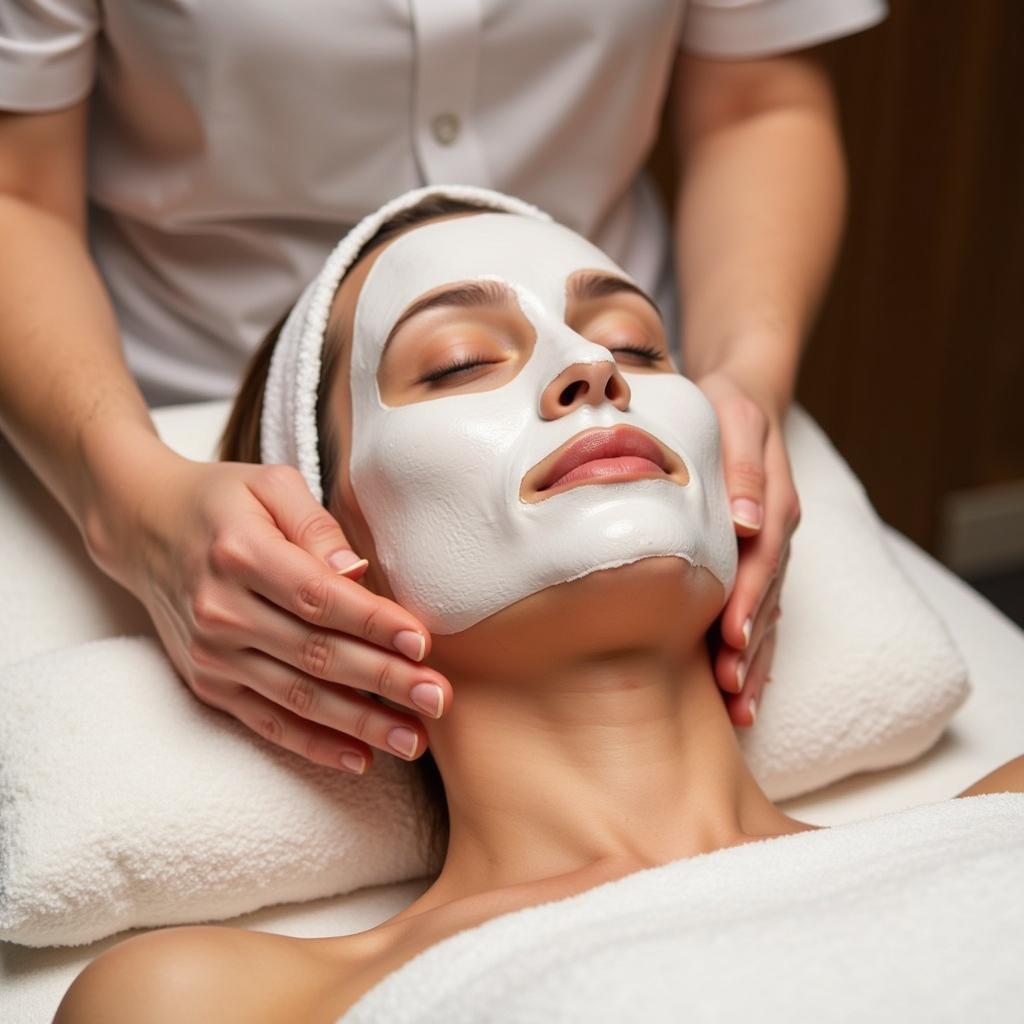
x: 760, y: 205
x: 193, y: 541
x: 1007, y: 778
x: 68, y: 403
x: 200, y: 972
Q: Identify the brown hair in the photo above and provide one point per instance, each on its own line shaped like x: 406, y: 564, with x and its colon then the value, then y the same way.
x: 240, y: 442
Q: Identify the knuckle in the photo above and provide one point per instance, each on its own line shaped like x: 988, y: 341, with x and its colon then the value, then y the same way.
x: 283, y: 476
x: 269, y: 727
x: 795, y: 512
x: 300, y: 695
x: 202, y: 687
x: 313, y: 748
x: 228, y: 552
x: 361, y: 724
x: 744, y: 409
x: 199, y: 605
x: 313, y: 599
x: 207, y: 612
x: 747, y: 474
x: 315, y: 654
x: 317, y: 526
x: 200, y: 653
x: 371, y: 624
x: 771, y: 563
x: 384, y: 679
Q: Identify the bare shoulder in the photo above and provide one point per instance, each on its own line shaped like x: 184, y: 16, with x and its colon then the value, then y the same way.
x: 1007, y: 778
x: 203, y: 972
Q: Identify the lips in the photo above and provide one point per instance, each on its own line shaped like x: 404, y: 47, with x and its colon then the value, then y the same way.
x: 602, y: 454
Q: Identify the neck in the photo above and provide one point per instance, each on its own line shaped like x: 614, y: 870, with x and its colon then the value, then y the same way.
x: 619, y: 762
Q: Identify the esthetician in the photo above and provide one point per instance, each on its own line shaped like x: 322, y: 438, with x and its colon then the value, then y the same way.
x: 171, y: 174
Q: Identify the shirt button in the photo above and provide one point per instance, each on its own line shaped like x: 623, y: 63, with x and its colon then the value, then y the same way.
x: 445, y: 128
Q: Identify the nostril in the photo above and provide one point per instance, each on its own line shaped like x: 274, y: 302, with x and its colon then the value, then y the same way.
x: 570, y: 392
x: 617, y: 390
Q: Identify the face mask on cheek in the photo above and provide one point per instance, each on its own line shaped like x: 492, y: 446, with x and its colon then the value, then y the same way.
x: 439, y: 480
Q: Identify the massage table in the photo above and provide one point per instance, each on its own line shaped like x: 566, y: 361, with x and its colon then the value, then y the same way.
x: 986, y: 732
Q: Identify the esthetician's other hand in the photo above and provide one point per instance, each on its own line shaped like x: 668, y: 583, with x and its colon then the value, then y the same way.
x: 238, y: 566
x: 766, y: 511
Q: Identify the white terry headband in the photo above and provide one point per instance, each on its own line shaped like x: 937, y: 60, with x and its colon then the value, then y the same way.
x: 288, y: 430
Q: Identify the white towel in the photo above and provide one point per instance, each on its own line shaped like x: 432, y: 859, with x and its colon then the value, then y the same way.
x: 914, y: 916
x: 126, y: 803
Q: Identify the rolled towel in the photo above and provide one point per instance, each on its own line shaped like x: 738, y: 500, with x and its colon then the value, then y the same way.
x: 125, y: 802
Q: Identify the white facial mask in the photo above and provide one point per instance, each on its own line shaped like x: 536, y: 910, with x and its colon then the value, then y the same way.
x: 439, y: 480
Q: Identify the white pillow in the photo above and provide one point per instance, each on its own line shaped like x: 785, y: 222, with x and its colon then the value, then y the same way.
x: 128, y: 803
x: 125, y: 802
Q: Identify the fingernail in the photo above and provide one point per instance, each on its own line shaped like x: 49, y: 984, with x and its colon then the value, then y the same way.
x: 354, y: 567
x: 410, y: 643
x: 741, y: 674
x: 746, y: 513
x: 429, y: 697
x: 748, y: 628
x: 403, y: 741
x: 753, y: 711
x: 344, y: 560
x: 354, y: 762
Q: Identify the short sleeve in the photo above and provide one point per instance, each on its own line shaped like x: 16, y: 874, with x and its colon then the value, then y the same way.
x: 47, y: 52
x: 760, y: 28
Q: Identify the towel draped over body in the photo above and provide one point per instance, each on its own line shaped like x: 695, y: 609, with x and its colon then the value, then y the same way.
x: 916, y: 915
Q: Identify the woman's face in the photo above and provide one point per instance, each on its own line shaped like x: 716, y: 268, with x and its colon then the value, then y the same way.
x: 485, y: 355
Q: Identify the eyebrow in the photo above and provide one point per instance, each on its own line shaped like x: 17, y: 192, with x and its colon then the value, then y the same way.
x: 596, y: 285
x: 474, y: 294
x: 467, y: 295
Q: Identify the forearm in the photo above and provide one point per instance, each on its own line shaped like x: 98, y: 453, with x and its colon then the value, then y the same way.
x: 758, y: 221
x: 68, y: 403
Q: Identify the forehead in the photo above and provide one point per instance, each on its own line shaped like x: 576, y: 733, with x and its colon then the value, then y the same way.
x: 532, y: 254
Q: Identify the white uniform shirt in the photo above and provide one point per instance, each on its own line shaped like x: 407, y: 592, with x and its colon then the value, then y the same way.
x: 232, y: 142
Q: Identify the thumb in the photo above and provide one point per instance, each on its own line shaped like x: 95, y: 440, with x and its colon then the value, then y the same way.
x: 744, y: 429
x: 303, y: 520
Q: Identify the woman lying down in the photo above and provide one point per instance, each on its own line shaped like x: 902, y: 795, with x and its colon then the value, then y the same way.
x: 499, y: 426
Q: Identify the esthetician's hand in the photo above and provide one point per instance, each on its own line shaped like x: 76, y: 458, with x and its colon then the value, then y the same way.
x: 766, y: 511
x: 238, y: 566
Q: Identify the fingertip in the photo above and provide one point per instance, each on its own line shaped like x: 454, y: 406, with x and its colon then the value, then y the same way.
x: 737, y: 715
x: 747, y: 515
x: 344, y: 560
x: 727, y: 673
x: 356, y: 570
x: 745, y: 531
x: 411, y: 643
x: 735, y: 632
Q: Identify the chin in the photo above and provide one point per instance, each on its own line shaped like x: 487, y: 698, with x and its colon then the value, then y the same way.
x: 655, y: 603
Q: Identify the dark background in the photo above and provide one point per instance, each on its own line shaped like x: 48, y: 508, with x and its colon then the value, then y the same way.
x: 916, y: 366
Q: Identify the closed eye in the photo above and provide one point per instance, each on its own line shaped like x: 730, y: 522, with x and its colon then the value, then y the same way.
x: 640, y: 350
x: 457, y: 365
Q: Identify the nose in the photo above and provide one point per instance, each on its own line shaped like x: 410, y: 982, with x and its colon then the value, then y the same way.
x: 584, y: 383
